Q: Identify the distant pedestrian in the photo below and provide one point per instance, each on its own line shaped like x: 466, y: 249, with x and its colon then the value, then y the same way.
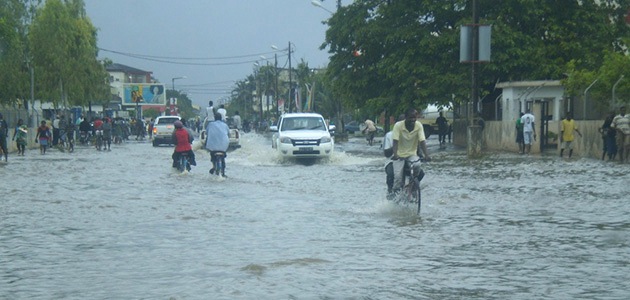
x: 107, y: 134
x: 529, y: 130
x: 16, y: 135
x: 609, y: 135
x: 621, y: 123
x: 4, y: 133
x: 56, y: 132
x: 43, y: 137
x: 519, y: 135
x: 237, y: 120
x: 442, y: 123
x: 20, y: 139
x: 150, y: 131
x: 567, y: 127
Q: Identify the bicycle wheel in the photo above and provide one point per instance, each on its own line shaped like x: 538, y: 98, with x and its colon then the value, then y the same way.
x: 219, y: 163
x: 183, y: 162
x: 417, y: 193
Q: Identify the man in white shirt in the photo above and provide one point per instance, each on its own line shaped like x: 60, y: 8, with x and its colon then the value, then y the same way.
x: 622, y: 124
x: 529, y: 130
x: 223, y: 113
x: 237, y: 120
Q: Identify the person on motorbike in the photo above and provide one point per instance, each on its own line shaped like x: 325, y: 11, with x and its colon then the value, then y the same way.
x: 408, y: 144
x: 182, y: 140
x: 217, y: 140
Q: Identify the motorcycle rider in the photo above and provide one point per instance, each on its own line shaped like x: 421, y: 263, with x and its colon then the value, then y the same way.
x: 182, y: 140
x: 408, y: 143
x: 217, y: 140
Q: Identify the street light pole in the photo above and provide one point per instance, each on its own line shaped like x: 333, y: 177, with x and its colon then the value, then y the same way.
x: 275, y: 58
x: 319, y: 4
x: 585, y: 94
x: 173, y: 85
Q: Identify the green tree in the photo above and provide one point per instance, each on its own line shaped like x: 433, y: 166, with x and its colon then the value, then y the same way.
x: 388, y: 55
x: 13, y: 47
x: 64, y: 51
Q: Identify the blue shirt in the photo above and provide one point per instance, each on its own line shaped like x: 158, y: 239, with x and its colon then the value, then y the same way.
x: 217, y: 136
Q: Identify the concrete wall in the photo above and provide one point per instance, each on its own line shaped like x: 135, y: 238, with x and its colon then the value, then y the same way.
x: 501, y: 136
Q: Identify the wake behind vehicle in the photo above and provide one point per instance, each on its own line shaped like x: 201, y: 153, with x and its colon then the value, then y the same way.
x: 163, y: 130
x: 303, y: 135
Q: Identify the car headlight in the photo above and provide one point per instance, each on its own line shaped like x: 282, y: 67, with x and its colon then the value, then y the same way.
x: 285, y: 140
x: 325, y: 139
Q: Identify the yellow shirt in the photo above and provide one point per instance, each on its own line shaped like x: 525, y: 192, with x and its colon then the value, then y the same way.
x: 408, y: 141
x: 567, y: 127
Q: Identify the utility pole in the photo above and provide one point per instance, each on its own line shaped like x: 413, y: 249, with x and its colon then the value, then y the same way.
x: 290, y: 79
x: 275, y: 60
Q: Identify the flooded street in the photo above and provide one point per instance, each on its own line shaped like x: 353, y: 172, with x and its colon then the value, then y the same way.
x: 124, y: 225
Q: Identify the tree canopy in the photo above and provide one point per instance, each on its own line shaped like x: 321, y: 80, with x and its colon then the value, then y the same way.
x: 388, y: 55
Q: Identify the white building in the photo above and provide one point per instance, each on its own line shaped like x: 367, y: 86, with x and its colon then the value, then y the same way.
x: 543, y: 96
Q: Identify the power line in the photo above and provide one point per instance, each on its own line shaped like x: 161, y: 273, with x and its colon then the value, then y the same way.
x: 174, y: 60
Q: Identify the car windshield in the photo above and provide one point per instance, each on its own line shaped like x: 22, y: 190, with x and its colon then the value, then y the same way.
x: 303, y: 123
x: 167, y: 120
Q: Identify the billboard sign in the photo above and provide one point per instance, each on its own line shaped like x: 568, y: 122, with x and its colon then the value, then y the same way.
x: 144, y: 93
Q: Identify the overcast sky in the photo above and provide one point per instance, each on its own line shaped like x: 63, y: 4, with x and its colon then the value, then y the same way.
x: 225, y: 37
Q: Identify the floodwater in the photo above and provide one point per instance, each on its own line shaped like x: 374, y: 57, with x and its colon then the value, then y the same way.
x: 123, y: 225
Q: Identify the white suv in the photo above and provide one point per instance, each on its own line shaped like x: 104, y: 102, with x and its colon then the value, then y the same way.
x: 303, y: 135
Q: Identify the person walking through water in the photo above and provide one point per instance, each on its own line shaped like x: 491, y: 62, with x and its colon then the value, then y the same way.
x: 609, y: 135
x: 566, y: 134
x: 621, y: 123
x: 20, y: 139
x: 43, y: 137
x: 4, y: 133
x: 107, y: 134
x: 442, y: 123
x: 529, y: 130
x: 519, y: 135
x: 371, y: 130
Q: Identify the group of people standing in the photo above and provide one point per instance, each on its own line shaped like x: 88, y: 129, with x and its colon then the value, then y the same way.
x: 615, y: 134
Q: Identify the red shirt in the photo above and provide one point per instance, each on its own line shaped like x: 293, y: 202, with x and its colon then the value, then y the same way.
x: 98, y: 124
x: 182, y: 140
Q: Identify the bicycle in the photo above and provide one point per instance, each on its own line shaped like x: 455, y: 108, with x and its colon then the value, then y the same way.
x: 219, y: 163
x: 183, y: 164
x: 409, y: 190
x: 99, y: 139
x: 66, y: 142
x: 85, y: 138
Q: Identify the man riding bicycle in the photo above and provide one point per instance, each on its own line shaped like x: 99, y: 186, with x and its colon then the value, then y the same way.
x: 408, y: 143
x: 217, y: 141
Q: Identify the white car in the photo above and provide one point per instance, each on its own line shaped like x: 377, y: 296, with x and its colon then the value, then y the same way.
x: 303, y: 135
x: 163, y: 130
